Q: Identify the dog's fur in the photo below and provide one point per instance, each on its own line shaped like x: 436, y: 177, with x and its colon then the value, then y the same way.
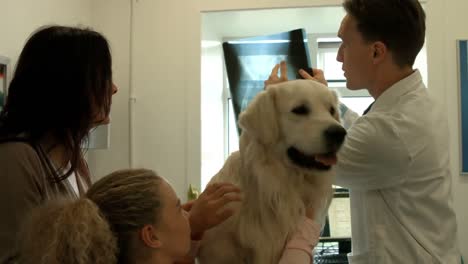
x: 276, y: 188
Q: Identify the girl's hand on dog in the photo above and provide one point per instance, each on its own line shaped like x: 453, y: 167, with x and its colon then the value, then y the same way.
x: 208, y: 210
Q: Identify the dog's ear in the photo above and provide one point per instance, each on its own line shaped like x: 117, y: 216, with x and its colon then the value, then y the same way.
x: 336, y: 96
x: 336, y: 103
x: 259, y: 118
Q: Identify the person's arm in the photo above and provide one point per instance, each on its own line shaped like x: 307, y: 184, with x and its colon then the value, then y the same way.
x: 205, y: 213
x: 373, y: 155
x: 299, y: 248
x: 20, y: 192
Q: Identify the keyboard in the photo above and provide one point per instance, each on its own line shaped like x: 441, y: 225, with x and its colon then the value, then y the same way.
x: 331, y: 259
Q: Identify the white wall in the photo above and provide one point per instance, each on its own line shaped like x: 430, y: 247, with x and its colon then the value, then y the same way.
x: 212, y: 98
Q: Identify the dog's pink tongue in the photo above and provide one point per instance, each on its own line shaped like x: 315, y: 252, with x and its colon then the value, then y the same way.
x: 328, y: 160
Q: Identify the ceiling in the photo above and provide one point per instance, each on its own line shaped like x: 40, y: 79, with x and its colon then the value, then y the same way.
x: 217, y: 26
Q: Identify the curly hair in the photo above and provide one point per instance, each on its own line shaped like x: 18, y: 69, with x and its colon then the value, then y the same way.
x: 96, y: 228
x: 65, y: 231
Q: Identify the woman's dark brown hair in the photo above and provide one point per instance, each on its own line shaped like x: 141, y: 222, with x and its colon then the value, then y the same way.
x: 62, y: 81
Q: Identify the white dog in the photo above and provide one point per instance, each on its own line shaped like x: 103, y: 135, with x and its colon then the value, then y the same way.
x: 285, y: 131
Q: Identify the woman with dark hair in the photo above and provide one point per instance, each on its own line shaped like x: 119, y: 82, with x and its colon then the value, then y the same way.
x: 61, y: 89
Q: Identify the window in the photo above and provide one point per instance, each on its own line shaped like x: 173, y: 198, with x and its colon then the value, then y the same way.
x: 327, y: 50
x: 232, y: 134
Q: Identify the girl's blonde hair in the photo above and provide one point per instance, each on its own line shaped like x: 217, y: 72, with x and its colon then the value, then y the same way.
x: 96, y: 228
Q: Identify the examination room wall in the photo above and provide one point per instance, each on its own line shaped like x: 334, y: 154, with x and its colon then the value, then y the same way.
x: 157, y: 54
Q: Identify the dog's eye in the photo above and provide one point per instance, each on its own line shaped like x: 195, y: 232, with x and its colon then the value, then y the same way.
x: 301, y: 110
x: 332, y: 110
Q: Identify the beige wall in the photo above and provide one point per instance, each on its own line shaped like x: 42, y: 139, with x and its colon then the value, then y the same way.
x: 112, y: 18
x: 19, y: 18
x: 446, y: 23
x: 455, y: 28
x: 167, y: 112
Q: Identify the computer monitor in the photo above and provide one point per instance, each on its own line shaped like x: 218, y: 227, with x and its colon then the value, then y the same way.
x: 338, y: 222
x: 335, y: 240
x: 249, y: 62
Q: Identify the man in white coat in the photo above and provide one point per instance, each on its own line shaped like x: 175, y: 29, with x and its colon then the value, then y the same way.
x: 395, y: 160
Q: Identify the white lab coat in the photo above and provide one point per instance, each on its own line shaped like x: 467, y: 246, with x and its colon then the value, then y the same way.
x: 395, y: 162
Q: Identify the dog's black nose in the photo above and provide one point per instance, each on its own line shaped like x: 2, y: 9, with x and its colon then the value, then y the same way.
x: 335, y: 135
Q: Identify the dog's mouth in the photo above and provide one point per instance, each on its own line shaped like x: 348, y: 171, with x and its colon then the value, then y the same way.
x: 317, y: 161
